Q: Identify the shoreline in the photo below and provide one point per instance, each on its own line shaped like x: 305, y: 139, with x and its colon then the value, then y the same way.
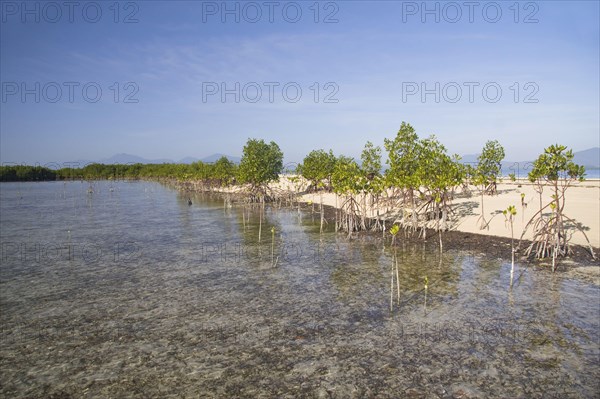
x: 496, y: 246
x: 582, y: 205
x: 579, y: 196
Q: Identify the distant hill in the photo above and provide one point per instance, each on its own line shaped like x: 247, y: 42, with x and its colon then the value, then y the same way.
x: 216, y: 157
x: 209, y: 159
x: 589, y: 158
x: 188, y: 160
x: 131, y: 159
x: 469, y: 158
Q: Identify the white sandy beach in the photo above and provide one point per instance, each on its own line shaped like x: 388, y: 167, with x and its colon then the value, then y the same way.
x: 582, y: 205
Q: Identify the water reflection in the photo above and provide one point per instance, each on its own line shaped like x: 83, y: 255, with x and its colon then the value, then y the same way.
x: 186, y: 299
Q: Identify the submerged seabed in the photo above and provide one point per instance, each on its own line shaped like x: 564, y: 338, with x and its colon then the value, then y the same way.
x: 130, y: 292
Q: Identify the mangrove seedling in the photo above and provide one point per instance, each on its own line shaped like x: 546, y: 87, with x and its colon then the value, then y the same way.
x: 394, y: 231
x: 320, y: 185
x: 273, y: 263
x: 392, y: 288
x: 260, y: 216
x: 426, y: 286
x: 523, y: 207
x: 508, y: 217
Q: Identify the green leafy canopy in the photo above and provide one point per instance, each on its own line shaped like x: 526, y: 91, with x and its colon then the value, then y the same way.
x: 556, y: 163
x: 489, y: 167
x: 317, y: 166
x: 261, y: 163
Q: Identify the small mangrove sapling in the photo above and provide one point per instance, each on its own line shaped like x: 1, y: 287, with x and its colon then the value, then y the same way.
x: 509, y: 213
x: 426, y: 286
x: 403, y: 160
x: 273, y: 262
x: 394, y: 232
x: 487, y: 173
x: 523, y: 207
x: 555, y: 168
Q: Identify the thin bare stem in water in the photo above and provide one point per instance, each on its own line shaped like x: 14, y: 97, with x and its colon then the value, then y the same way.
x: 260, y: 214
x: 273, y: 246
x: 322, y: 214
x: 426, y: 288
x: 244, y: 216
x: 392, y: 289
x: 509, y: 214
x: 397, y: 276
x: 394, y: 231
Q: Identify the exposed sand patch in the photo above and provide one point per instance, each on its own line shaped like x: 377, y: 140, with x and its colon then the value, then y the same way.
x: 582, y: 205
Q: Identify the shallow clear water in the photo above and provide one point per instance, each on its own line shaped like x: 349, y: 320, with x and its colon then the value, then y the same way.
x: 130, y: 292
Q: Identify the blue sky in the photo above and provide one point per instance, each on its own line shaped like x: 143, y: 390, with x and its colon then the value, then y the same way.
x: 370, y: 57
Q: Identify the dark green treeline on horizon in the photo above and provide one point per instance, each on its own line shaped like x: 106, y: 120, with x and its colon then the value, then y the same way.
x: 221, y: 172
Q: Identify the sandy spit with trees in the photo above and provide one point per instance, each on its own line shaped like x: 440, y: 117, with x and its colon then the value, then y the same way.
x: 582, y: 205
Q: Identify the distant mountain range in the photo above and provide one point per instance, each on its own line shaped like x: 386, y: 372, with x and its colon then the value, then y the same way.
x: 123, y: 159
x: 128, y: 159
x: 589, y: 158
